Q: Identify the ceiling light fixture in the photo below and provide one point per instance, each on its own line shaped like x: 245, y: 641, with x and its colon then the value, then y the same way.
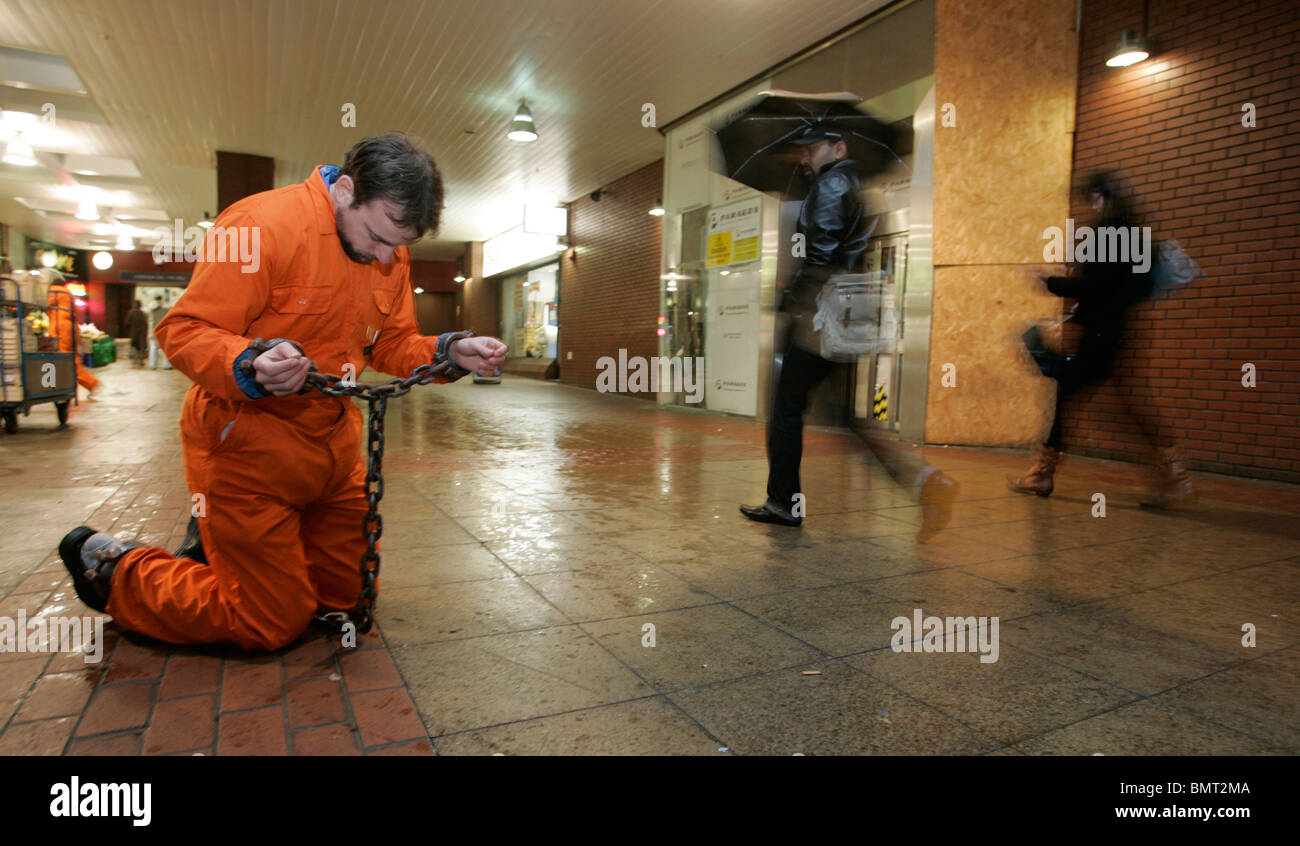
x: 87, y: 210
x: 124, y: 243
x: 19, y: 152
x: 206, y: 222
x: 658, y: 210
x: 522, y: 128
x: 102, y: 260
x: 419, y: 290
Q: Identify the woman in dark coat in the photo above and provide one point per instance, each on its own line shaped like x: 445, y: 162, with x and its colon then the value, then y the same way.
x: 137, y: 328
x: 1105, y: 291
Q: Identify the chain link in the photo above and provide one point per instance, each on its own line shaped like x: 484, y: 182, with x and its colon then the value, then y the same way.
x: 372, y: 526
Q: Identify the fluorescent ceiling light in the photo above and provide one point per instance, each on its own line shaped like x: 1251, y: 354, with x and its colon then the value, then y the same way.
x: 19, y: 152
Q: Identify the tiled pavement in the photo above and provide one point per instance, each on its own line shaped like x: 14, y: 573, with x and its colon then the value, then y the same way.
x: 536, y: 536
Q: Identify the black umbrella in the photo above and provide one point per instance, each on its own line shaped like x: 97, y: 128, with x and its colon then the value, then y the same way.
x: 758, y: 147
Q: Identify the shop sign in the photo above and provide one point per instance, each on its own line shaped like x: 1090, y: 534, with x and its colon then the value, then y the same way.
x: 515, y: 247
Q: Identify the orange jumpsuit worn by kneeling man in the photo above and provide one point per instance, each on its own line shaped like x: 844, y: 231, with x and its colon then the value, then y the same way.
x: 281, y: 478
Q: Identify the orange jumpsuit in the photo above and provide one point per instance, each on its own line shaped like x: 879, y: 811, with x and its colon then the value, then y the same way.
x: 281, y: 479
x: 63, y: 327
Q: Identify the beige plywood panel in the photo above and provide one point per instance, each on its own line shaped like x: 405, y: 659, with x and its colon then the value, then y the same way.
x: 1002, y: 172
x: 999, y: 398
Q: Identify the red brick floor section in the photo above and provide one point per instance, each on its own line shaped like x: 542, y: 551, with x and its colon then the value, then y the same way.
x: 147, y: 698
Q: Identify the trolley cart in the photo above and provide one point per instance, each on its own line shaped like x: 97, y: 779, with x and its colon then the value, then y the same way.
x: 33, y: 370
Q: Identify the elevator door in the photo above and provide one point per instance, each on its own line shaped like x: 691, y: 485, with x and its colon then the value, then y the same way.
x: 877, y: 378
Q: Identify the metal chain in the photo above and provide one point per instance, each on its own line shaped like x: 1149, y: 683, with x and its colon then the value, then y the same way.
x: 372, y: 526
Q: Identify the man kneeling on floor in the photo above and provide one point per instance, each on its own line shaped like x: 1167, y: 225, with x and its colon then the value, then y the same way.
x: 280, y: 473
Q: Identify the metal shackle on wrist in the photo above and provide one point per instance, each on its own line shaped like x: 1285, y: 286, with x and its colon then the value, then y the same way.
x: 442, y: 354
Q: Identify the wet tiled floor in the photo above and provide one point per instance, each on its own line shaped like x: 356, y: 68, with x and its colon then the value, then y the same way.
x: 565, y: 572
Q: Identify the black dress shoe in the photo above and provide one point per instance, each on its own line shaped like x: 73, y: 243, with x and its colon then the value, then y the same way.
x: 769, y: 513
x: 192, y: 546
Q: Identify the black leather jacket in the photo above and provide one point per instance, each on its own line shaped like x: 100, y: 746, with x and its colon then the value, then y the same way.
x: 835, y: 232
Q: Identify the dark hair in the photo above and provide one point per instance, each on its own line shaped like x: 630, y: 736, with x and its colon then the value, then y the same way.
x: 397, y: 168
x: 1117, y: 207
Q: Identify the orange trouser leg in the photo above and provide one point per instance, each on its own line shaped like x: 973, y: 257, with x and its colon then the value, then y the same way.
x: 263, y: 484
x: 333, y: 541
x: 86, y: 379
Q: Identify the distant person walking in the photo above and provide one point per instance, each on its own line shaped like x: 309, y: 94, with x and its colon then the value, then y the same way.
x: 1105, y: 291
x: 63, y: 310
x: 137, y: 329
x: 156, y: 313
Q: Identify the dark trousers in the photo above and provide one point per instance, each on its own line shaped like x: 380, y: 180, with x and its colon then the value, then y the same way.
x: 801, y: 373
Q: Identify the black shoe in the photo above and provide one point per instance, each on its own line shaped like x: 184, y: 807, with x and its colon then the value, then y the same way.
x: 92, y: 573
x: 192, y: 546
x: 769, y: 513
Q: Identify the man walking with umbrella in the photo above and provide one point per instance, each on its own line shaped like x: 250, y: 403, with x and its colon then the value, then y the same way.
x: 835, y: 231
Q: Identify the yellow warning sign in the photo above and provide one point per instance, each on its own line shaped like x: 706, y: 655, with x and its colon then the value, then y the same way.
x: 733, y: 233
x: 719, y: 249
x: 744, y: 249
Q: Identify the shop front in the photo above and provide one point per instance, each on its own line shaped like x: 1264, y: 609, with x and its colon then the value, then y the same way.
x: 526, y: 267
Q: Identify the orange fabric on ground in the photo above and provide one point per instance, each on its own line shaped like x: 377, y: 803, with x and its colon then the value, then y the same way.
x: 281, y: 479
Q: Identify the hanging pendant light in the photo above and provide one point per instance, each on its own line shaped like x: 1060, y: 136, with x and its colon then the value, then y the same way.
x: 1129, y: 51
x: 522, y: 128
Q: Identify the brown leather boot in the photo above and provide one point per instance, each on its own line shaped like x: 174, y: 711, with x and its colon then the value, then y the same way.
x: 1039, y: 478
x: 938, y: 493
x: 1175, y: 485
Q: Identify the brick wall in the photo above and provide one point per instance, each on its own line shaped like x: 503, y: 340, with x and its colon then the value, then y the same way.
x: 1231, y: 195
x: 609, y: 291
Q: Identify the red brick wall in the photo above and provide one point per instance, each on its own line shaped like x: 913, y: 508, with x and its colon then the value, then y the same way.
x: 1231, y: 195
x: 434, y: 276
x: 609, y: 291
